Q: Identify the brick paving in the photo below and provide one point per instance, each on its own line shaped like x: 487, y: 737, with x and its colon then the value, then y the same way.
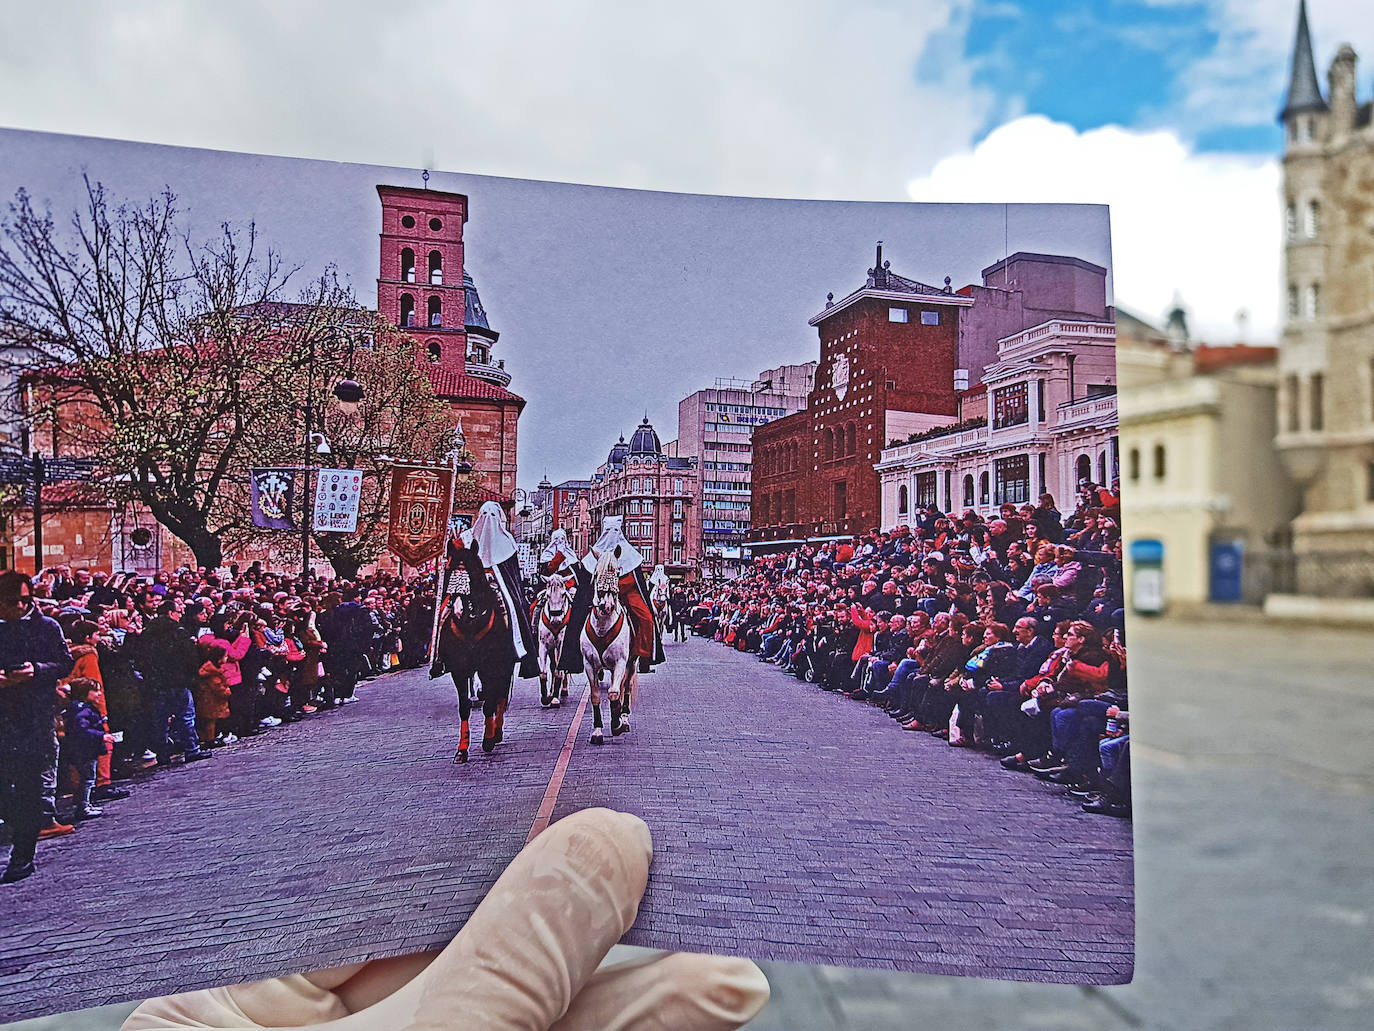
x: 818, y: 831
x: 789, y: 824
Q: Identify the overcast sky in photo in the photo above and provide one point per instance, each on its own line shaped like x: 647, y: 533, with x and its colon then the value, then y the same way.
x: 1164, y: 109
x: 610, y: 303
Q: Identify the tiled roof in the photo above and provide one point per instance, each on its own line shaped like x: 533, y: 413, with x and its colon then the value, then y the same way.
x: 1207, y: 358
x: 459, y: 386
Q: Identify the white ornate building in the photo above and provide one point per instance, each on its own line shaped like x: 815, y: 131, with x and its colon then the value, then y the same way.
x: 1043, y: 420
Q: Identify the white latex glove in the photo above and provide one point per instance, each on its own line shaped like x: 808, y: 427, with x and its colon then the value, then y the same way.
x: 526, y: 961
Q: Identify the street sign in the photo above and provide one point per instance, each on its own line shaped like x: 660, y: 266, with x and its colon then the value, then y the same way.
x: 68, y: 468
x: 16, y: 469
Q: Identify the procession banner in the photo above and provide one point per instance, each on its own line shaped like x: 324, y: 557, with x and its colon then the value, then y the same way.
x: 273, y: 497
x: 418, y: 512
x: 336, y: 500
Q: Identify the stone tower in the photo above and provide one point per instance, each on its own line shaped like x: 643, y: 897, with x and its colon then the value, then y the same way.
x: 1326, y: 354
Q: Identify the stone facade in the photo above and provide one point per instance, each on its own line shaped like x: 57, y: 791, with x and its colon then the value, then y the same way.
x: 655, y: 491
x: 1048, y: 412
x: 1195, y: 469
x: 1325, y: 431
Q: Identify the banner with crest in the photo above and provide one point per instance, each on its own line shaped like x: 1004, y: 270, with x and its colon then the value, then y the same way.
x: 419, y: 523
x: 273, y: 497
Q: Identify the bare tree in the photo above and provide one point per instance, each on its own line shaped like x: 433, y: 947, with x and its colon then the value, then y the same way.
x: 173, y: 363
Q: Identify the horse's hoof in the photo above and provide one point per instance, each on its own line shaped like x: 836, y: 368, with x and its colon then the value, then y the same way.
x: 623, y: 727
x: 489, y: 745
x: 461, y: 757
x: 553, y: 702
x: 546, y: 701
x: 563, y: 694
x: 436, y: 671
x: 597, y: 738
x: 500, y: 735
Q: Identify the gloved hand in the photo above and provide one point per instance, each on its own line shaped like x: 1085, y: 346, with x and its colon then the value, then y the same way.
x: 526, y: 961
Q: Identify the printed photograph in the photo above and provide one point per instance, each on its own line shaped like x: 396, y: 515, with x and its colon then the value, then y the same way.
x: 357, y: 523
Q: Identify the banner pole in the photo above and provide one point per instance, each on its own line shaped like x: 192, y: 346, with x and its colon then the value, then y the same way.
x: 442, y: 560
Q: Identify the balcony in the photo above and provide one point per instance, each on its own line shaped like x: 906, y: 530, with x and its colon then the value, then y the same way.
x: 491, y: 371
x: 1088, y: 411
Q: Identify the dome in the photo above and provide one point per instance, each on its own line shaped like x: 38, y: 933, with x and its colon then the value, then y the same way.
x: 645, y: 440
x: 475, y: 316
x: 618, y: 452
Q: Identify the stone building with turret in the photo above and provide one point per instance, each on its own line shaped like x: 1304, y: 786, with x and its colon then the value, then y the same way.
x: 1325, y: 432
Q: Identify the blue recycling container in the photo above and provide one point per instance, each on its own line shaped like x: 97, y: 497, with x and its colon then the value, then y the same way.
x: 1226, y: 571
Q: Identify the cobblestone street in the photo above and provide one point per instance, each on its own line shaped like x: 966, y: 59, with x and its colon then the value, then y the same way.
x: 788, y: 824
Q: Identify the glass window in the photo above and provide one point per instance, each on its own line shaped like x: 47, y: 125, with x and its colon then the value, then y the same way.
x: 1009, y: 406
x: 1317, y: 415
x: 1159, y: 462
x: 930, y: 318
x: 1311, y: 219
x: 1013, y: 479
x: 926, y: 487
x: 897, y: 315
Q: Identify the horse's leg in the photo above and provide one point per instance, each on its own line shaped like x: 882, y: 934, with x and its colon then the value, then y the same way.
x: 464, y: 711
x: 623, y: 725
x: 594, y: 681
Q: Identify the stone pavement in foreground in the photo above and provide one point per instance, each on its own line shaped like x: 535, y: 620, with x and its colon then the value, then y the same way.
x: 788, y: 824
x: 793, y: 824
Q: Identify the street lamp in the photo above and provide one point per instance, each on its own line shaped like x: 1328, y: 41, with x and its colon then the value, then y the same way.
x: 348, y: 393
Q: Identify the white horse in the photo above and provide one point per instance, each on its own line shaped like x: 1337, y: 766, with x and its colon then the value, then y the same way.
x: 605, y: 642
x: 552, y: 616
x: 660, y: 599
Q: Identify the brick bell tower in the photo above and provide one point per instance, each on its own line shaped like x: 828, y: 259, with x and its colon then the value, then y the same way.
x: 420, y: 275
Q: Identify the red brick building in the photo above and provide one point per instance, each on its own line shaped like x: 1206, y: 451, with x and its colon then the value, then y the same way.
x: 422, y: 286
x: 888, y: 354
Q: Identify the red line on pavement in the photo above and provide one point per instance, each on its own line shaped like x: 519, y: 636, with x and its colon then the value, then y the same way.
x: 545, y: 814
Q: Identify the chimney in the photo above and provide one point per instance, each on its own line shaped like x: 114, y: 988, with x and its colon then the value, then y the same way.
x: 1341, y: 79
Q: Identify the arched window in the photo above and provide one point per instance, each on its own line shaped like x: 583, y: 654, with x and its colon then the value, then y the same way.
x: 407, y: 265
x: 1102, y: 468
x: 436, y: 268
x: 851, y: 437
x: 1133, y: 464
x: 435, y: 351
x: 901, y: 500
x: 1293, y: 309
x: 1311, y: 219
x: 828, y: 446
x: 436, y: 313
x: 1085, y: 468
x: 407, y: 310
x: 968, y: 491
x: 1313, y: 301
x: 984, y: 494
x: 1290, y: 221
x: 1159, y: 461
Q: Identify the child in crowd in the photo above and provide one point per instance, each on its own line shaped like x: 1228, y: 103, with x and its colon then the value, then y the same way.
x: 84, y: 741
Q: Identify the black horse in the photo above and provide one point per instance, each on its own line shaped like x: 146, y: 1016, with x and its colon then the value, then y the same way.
x: 475, y: 637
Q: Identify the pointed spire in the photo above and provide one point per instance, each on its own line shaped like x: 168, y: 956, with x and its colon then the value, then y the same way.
x: 1304, y: 93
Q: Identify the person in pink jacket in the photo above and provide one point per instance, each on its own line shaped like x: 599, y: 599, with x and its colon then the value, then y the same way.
x: 231, y: 632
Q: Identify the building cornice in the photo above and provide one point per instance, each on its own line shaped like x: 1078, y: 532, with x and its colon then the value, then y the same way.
x: 951, y: 300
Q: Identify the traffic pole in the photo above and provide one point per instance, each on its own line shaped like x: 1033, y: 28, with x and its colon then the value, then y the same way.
x: 37, y: 515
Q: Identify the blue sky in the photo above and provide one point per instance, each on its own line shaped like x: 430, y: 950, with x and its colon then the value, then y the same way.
x: 1121, y: 62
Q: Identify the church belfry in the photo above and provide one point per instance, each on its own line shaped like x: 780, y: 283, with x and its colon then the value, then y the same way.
x: 420, y: 275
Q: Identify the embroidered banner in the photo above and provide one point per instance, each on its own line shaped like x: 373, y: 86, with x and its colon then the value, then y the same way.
x: 273, y: 497
x: 336, y: 500
x: 419, y: 512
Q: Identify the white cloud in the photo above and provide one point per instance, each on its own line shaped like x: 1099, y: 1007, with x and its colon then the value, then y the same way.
x: 1205, y: 225
x: 1244, y: 78
x: 816, y: 98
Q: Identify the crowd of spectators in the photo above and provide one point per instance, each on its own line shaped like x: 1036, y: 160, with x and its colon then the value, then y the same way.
x: 1003, y: 634
x: 103, y: 677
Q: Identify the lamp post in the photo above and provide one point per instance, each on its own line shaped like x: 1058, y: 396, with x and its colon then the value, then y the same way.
x: 349, y: 394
